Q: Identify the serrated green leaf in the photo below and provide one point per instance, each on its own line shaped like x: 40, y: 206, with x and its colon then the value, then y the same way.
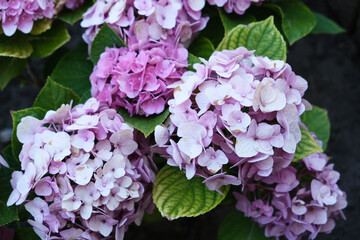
x: 25, y: 234
x: 9, y: 157
x: 74, y: 69
x: 297, y: 19
x: 10, y: 68
x: 106, y: 37
x: 317, y: 121
x: 146, y: 125
x: 53, y: 95
x: 202, y: 47
x: 41, y: 26
x: 7, y: 214
x: 261, y: 36
x: 5, y: 186
x: 232, y: 20
x: 72, y: 16
x: 47, y: 42
x: 237, y: 227
x: 175, y: 196
x: 15, y: 46
x: 326, y: 25
x: 17, y: 116
x: 306, y: 146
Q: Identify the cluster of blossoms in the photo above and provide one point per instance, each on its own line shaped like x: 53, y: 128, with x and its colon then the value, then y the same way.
x: 237, y: 110
x: 138, y: 80
x: 21, y: 14
x: 90, y: 177
x: 143, y: 21
x: 290, y: 205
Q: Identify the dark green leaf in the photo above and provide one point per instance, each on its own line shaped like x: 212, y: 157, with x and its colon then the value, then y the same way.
x: 5, y: 186
x: 146, y: 125
x: 15, y: 46
x: 106, y: 37
x: 10, y: 159
x: 17, y: 116
x: 74, y: 69
x: 53, y: 95
x: 7, y: 214
x: 232, y: 20
x: 317, y: 121
x: 191, y: 60
x: 237, y: 227
x: 86, y: 95
x: 261, y: 36
x: 10, y: 68
x: 175, y: 196
x: 326, y: 25
x: 306, y: 146
x: 297, y: 19
x: 201, y: 47
x: 47, y: 42
x: 72, y: 16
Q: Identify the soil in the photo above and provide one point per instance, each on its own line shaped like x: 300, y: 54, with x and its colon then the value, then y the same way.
x: 331, y: 65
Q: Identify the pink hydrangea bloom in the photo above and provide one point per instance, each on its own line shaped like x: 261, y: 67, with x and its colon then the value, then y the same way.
x: 138, y: 81
x: 292, y: 208
x: 82, y: 163
x: 242, y: 106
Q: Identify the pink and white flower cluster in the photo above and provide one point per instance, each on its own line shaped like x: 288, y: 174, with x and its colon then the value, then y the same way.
x: 90, y: 177
x: 236, y: 109
x: 21, y: 14
x: 143, y: 21
x: 138, y: 80
x: 291, y: 206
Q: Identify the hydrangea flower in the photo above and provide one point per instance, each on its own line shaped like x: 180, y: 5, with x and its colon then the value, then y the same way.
x: 21, y: 14
x: 291, y: 208
x: 237, y: 6
x: 90, y: 177
x: 138, y: 80
x: 141, y: 22
x: 236, y: 109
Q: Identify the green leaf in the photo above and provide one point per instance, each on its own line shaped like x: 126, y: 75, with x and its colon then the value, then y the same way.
x: 232, y: 20
x: 297, y: 19
x: 53, y: 95
x: 10, y: 159
x: 41, y: 26
x: 202, y: 47
x: 16, y: 46
x: 10, y: 68
x: 306, y: 146
x: 191, y: 60
x: 86, y: 95
x: 106, y: 37
x: 7, y: 214
x: 25, y: 234
x: 175, y: 196
x: 17, y: 116
x: 5, y: 186
x: 74, y: 69
x: 146, y: 125
x: 317, y: 121
x: 260, y: 36
x: 237, y: 227
x: 72, y: 16
x: 326, y: 25
x: 47, y: 42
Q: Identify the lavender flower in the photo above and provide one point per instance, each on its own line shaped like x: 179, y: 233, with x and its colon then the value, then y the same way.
x: 90, y: 177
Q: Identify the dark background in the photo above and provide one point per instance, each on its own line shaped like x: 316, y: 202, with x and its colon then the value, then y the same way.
x: 331, y: 65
